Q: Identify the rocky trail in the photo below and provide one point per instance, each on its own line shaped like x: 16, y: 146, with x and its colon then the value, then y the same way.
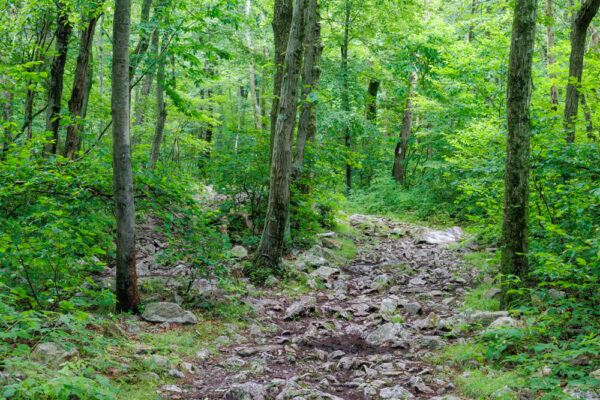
x: 363, y: 332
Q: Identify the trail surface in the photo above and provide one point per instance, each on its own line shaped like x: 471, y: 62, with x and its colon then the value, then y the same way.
x: 362, y: 333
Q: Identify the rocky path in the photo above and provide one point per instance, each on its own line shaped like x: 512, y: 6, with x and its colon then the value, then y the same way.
x: 362, y: 333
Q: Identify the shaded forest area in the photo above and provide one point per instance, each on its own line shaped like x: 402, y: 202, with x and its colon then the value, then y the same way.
x: 217, y: 141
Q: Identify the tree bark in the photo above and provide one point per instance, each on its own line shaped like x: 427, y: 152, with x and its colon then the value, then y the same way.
x: 128, y: 299
x: 470, y: 34
x: 161, y: 113
x: 140, y: 104
x: 78, y: 91
x: 145, y: 32
x: 6, y: 97
x: 579, y: 27
x: 307, y: 123
x: 399, y: 170
x: 516, y: 178
x: 101, y: 57
x: 282, y: 21
x: 371, y: 112
x: 345, y: 92
x: 268, y: 254
x: 253, y: 93
x: 549, y: 55
x: 57, y: 71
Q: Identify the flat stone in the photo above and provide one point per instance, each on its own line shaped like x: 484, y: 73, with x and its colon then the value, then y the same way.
x: 323, y: 273
x: 442, y: 237
x: 485, y: 318
x: 300, y: 308
x: 503, y: 322
x: 238, y: 252
x: 397, y: 392
x: 52, y: 354
x: 389, y: 332
x: 246, y: 391
x: 168, y: 312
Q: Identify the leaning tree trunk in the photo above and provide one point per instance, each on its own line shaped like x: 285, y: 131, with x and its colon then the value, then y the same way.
x: 550, y: 56
x: 282, y: 21
x: 57, y: 71
x: 516, y: 177
x: 307, y: 123
x: 78, y: 91
x: 579, y: 27
x: 268, y: 255
x: 399, y: 170
x: 128, y: 299
x: 161, y: 113
x: 346, y: 93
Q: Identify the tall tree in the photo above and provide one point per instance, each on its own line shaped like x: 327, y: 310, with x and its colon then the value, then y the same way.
x: 580, y: 22
x: 549, y: 54
x: 282, y: 21
x: 515, y: 235
x: 57, y: 72
x: 72, y: 141
x: 268, y: 254
x: 345, y: 89
x: 128, y: 299
x: 399, y: 170
x: 258, y: 123
x: 161, y: 112
x: 307, y: 123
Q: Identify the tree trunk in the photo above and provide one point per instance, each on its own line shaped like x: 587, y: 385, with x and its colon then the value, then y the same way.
x: 579, y: 27
x: 399, y: 170
x: 307, y: 123
x: 145, y: 32
x: 268, y: 254
x: 253, y: 92
x: 263, y: 89
x: 57, y: 71
x: 470, y: 34
x: 6, y: 97
x: 140, y: 104
x: 128, y: 299
x: 587, y: 113
x: 516, y: 177
x: 282, y: 21
x: 101, y: 57
x: 161, y: 113
x: 549, y: 55
x: 345, y: 92
x: 78, y: 90
x: 371, y: 112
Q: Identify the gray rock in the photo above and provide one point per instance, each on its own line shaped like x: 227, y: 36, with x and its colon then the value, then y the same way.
x: 503, y: 322
x: 52, y: 354
x: 188, y: 367
x: 176, y: 373
x: 113, y: 330
x: 156, y: 362
x: 301, y: 307
x: 397, y: 392
x: 413, y: 308
x: 202, y: 355
x: 431, y: 342
x: 132, y: 328
x: 323, y: 273
x: 246, y: 391
x: 493, y: 293
x: 168, y: 312
x: 417, y: 281
x: 172, y: 388
x: 442, y: 237
x: 234, y: 362
x: 293, y: 390
x: 222, y: 340
x: 150, y: 376
x: 388, y: 306
x: 416, y: 382
x: 239, y: 252
x: 389, y: 332
x: 579, y: 394
x: 485, y: 318
x: 595, y: 374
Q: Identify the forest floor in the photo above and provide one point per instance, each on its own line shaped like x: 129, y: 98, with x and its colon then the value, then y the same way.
x: 366, y: 315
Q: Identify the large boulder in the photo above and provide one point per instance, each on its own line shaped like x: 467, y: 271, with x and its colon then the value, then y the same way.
x: 239, y: 252
x: 397, y: 392
x: 168, y: 312
x: 52, y: 354
x: 246, y: 391
x: 323, y: 273
x: 485, y: 318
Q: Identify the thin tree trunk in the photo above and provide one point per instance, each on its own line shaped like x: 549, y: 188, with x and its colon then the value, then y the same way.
x: 307, y: 123
x: 78, y: 90
x: 161, y: 113
x: 587, y: 113
x: 101, y: 58
x: 372, y: 90
x: 253, y: 93
x: 140, y: 104
x: 268, y: 254
x: 7, y: 99
x: 470, y: 34
x: 263, y: 89
x: 57, y: 71
x: 399, y: 170
x: 145, y: 32
x: 549, y: 55
x: 128, y: 299
x: 282, y: 21
x: 515, y: 232
x: 579, y: 27
x: 345, y: 92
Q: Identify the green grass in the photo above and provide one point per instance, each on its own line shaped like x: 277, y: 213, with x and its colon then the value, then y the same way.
x: 476, y: 301
x: 479, y: 384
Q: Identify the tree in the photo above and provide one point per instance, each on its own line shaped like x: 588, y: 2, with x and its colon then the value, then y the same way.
x: 549, y: 55
x: 398, y: 171
x: 282, y: 21
x: 515, y: 234
x: 307, y: 123
x: 268, y: 255
x: 345, y: 89
x: 580, y: 22
x: 80, y: 91
x: 128, y: 299
x: 57, y: 71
